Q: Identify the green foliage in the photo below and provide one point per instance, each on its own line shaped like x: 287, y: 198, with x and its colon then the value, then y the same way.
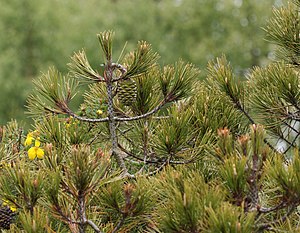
x: 153, y: 148
x: 184, y: 196
x: 10, y: 138
x: 21, y: 185
x: 275, y: 89
x: 126, y: 206
x: 81, y: 68
x: 275, y: 101
x: 105, y: 40
x: 286, y: 177
x: 228, y: 218
x: 220, y: 76
x: 174, y: 133
x: 53, y: 92
x: 177, y: 81
x: 142, y: 59
x: 145, y: 98
x: 283, y: 30
x: 233, y: 174
x: 35, y: 222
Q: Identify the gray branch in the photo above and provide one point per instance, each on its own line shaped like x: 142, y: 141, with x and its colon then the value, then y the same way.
x: 94, y: 226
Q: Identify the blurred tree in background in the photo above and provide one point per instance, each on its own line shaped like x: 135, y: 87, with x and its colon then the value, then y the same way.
x: 38, y: 34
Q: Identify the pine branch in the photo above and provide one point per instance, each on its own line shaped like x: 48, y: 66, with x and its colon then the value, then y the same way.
x: 70, y: 221
x: 253, y: 178
x: 94, y: 138
x: 296, y: 2
x: 52, y: 91
x: 177, y: 81
x: 293, y: 116
x: 141, y: 61
x: 94, y: 226
x: 124, y: 131
x: 269, y: 224
x: 291, y: 127
x: 282, y: 137
x: 19, y: 139
x: 221, y: 74
x: 120, y: 223
x: 85, y: 119
x: 81, y: 68
x: 154, y: 161
x: 62, y: 215
x: 106, y: 119
x: 157, y: 170
x: 134, y: 156
x: 292, y: 144
x: 283, y: 30
x: 105, y: 40
x: 265, y: 210
x: 238, y: 104
x: 156, y: 109
x: 81, y: 212
x: 122, y: 69
x: 108, y: 74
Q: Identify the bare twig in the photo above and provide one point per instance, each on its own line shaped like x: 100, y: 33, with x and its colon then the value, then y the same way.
x: 106, y: 119
x: 19, y: 139
x: 265, y: 226
x: 125, y: 131
x: 93, y: 120
x: 143, y: 115
x: 291, y: 127
x: 120, y: 68
x: 271, y: 209
x: 120, y: 224
x: 153, y: 161
x: 82, y: 216
x: 292, y: 144
x: 94, y: 226
x: 112, y: 120
x: 157, y: 170
x: 63, y: 216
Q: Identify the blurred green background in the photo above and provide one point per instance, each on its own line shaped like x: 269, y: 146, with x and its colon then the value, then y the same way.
x: 36, y: 34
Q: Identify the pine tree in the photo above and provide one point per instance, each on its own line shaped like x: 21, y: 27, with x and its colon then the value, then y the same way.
x: 133, y: 97
x: 154, y: 149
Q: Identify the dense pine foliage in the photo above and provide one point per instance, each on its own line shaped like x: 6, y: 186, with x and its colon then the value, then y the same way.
x: 153, y: 148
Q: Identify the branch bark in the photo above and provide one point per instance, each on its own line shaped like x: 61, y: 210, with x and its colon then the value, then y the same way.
x: 94, y: 226
x: 267, y: 225
x: 82, y: 216
x: 112, y: 120
x: 120, y: 224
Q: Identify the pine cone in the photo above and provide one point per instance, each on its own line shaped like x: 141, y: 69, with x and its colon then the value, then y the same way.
x: 6, y: 217
x: 127, y: 92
